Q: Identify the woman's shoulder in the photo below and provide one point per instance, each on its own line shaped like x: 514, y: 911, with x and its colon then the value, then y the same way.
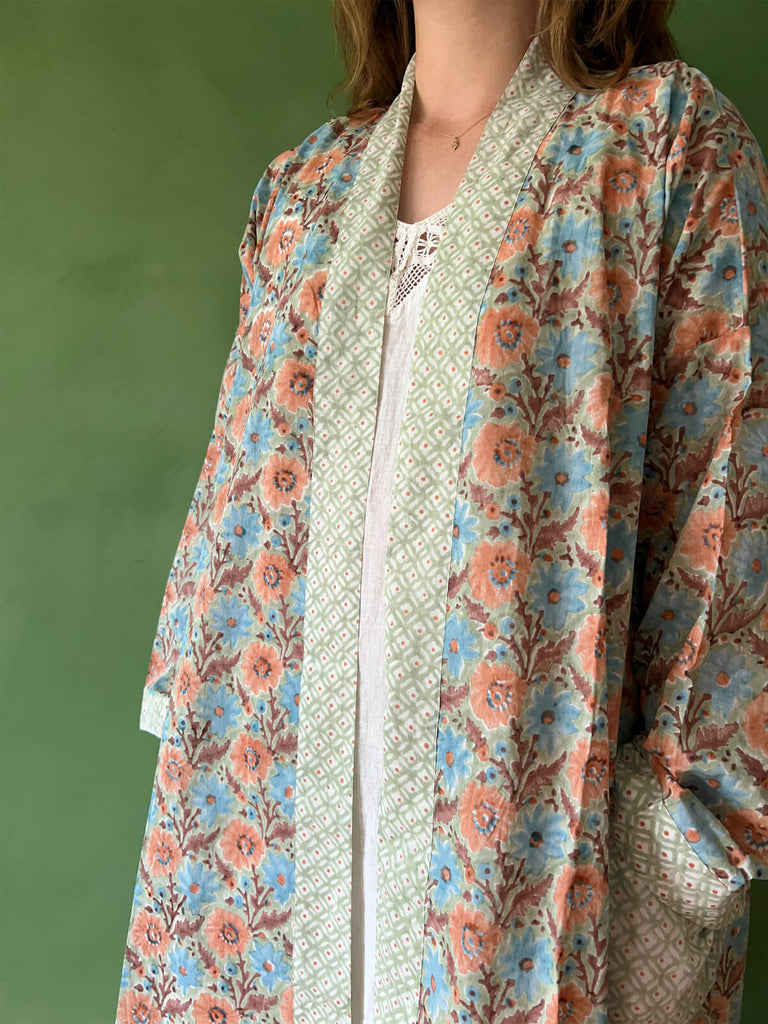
x: 673, y: 94
x: 327, y: 150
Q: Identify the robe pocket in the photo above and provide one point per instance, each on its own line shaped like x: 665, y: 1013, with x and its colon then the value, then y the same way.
x: 669, y: 913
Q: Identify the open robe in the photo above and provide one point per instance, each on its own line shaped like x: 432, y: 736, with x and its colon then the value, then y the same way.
x: 573, y: 800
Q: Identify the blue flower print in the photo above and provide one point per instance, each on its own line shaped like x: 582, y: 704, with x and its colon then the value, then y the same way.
x: 574, y: 242
x: 529, y: 962
x: 289, y: 695
x: 750, y: 559
x: 213, y: 797
x: 435, y: 983
x: 574, y: 147
x: 178, y: 617
x: 280, y: 336
x: 673, y: 613
x: 279, y: 875
x: 725, y: 279
x: 457, y: 647
x: 538, y: 836
x: 310, y: 251
x: 185, y: 969
x: 564, y: 474
x: 472, y: 416
x: 257, y: 436
x: 220, y: 707
x: 198, y: 884
x: 755, y: 446
x: 282, y: 788
x: 691, y: 404
x: 445, y: 870
x: 269, y: 963
x: 463, y: 529
x: 240, y: 528
x: 724, y: 674
x: 556, y: 592
x: 565, y: 355
x: 551, y: 716
x: 231, y: 617
x: 620, y: 551
x: 343, y: 174
x: 453, y: 756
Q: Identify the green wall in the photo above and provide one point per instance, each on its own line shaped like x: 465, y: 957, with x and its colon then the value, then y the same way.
x: 133, y: 135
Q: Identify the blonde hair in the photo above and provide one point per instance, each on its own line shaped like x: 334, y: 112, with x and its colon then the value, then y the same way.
x: 590, y: 44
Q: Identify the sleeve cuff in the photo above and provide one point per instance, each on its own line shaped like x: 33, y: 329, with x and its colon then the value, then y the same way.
x: 154, y: 708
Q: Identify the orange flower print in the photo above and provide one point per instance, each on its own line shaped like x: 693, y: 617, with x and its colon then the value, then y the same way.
x: 273, y: 576
x: 750, y: 831
x: 262, y: 667
x: 474, y: 938
x: 723, y: 208
x: 579, y: 895
x: 594, y: 521
x: 260, y: 332
x: 523, y: 229
x: 597, y: 401
x: 149, y: 934
x: 282, y: 240
x: 633, y: 98
x: 573, y: 1007
x: 210, y: 1009
x: 614, y: 291
x: 251, y: 760
x: 587, y: 769
x: 163, y: 853
x: 242, y: 845
x: 701, y: 538
x: 497, y: 571
x: 138, y: 1008
x: 318, y: 166
x: 186, y: 683
x: 204, y: 595
x: 227, y: 933
x: 174, y: 771
x: 496, y: 693
x: 505, y: 334
x: 284, y: 480
x: 590, y: 646
x: 624, y: 181
x: 756, y: 722
x: 502, y: 453
x: 286, y: 1006
x: 311, y: 294
x: 294, y: 383
x: 484, y: 816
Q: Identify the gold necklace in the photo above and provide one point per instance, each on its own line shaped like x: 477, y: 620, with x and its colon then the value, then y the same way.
x: 455, y: 138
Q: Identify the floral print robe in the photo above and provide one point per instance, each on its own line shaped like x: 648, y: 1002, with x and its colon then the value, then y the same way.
x: 575, y: 779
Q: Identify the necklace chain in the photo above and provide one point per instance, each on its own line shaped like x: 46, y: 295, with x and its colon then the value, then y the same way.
x: 455, y: 137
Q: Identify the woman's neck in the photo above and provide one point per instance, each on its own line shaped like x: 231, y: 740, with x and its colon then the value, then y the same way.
x: 466, y: 53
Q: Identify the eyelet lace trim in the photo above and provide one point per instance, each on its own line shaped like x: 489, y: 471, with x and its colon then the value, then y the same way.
x: 413, y: 256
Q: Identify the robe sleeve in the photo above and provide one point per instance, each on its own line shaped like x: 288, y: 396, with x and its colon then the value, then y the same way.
x: 690, y: 805
x: 174, y: 630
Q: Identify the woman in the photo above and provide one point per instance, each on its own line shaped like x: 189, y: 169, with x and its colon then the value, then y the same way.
x: 460, y: 670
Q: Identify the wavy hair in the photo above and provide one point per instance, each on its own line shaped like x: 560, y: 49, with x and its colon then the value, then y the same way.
x: 590, y: 44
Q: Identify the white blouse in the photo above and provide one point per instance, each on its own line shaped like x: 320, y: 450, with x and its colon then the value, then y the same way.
x: 415, y: 247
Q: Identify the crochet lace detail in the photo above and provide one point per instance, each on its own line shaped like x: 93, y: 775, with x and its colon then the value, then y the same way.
x: 414, y: 254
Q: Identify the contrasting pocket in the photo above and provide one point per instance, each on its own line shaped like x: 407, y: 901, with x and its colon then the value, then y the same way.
x: 669, y: 914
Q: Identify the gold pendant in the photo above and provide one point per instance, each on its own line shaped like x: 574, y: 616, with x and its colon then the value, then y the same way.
x: 455, y: 143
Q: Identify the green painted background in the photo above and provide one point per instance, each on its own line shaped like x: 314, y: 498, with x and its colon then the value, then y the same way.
x: 133, y: 134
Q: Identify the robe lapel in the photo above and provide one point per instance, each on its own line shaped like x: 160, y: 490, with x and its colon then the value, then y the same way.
x: 419, y: 552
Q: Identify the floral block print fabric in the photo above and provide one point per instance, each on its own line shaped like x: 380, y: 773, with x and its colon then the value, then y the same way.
x: 573, y: 803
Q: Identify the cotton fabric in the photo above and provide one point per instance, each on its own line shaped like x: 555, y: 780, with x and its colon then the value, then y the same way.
x: 574, y: 733
x: 414, y: 251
